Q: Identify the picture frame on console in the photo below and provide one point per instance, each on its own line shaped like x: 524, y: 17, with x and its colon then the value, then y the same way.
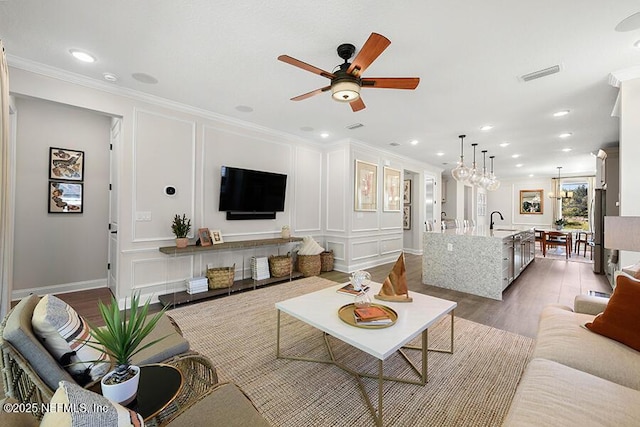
x: 366, y: 186
x: 216, y: 237
x: 205, y: 237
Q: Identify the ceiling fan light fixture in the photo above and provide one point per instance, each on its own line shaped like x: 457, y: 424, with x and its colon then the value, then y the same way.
x: 345, y: 91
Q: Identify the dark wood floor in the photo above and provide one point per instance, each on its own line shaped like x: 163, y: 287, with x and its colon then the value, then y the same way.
x: 545, y: 281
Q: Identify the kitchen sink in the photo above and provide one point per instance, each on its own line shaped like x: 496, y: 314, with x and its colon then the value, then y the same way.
x: 504, y: 229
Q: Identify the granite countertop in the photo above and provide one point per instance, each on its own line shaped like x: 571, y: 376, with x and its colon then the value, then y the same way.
x: 499, y: 231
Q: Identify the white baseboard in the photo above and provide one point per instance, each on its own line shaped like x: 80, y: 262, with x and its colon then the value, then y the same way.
x: 18, y: 294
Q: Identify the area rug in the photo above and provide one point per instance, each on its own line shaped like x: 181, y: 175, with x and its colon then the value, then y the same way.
x: 473, y: 386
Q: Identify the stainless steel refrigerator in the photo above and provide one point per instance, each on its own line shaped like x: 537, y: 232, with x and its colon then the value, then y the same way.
x: 599, y: 210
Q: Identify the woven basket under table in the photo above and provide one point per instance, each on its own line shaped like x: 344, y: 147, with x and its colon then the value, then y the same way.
x: 280, y: 265
x: 221, y: 277
x: 326, y: 261
x: 309, y: 265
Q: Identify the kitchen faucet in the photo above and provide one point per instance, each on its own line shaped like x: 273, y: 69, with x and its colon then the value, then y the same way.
x: 501, y: 217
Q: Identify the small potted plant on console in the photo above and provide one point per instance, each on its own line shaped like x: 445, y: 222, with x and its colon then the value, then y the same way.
x: 120, y: 339
x: 181, y: 227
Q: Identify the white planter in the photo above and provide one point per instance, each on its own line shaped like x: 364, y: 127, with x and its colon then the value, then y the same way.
x: 122, y: 393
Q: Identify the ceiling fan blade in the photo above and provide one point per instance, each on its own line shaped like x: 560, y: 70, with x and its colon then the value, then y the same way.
x: 310, y: 94
x: 357, y: 105
x: 305, y: 66
x: 372, y: 48
x: 391, y: 82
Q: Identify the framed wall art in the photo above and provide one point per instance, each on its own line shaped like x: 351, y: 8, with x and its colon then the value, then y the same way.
x: 65, y: 164
x: 391, y: 179
x: 406, y: 217
x: 406, y: 199
x: 366, y: 186
x: 65, y: 197
x: 531, y: 202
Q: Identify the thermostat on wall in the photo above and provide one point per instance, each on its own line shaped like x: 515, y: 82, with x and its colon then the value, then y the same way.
x: 170, y: 190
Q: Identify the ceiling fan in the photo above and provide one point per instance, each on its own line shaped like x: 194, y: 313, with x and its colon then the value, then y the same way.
x: 347, y: 80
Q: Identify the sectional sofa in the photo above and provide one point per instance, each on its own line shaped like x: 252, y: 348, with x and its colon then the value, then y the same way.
x: 577, y: 377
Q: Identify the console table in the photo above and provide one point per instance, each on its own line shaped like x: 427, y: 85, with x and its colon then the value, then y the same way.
x: 176, y: 298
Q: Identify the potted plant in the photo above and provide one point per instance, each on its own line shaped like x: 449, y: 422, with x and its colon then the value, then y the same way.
x: 560, y: 223
x: 181, y: 227
x: 120, y: 339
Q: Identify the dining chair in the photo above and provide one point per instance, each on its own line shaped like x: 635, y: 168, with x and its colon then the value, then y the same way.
x: 557, y: 238
x: 584, y: 238
x: 539, y: 236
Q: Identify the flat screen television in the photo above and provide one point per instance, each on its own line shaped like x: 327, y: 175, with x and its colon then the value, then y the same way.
x: 251, y: 191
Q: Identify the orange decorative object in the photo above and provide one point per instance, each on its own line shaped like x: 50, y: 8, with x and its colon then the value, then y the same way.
x: 394, y: 287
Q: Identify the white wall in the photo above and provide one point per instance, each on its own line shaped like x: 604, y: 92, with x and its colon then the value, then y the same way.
x: 629, y: 155
x: 54, y: 249
x: 506, y: 200
x: 164, y: 143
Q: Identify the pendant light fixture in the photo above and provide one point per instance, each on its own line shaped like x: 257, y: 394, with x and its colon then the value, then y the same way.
x: 561, y: 194
x: 474, y: 174
x: 484, y: 179
x: 494, y: 183
x: 461, y: 173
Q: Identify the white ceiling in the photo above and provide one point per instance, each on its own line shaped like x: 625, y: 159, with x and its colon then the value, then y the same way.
x: 218, y: 55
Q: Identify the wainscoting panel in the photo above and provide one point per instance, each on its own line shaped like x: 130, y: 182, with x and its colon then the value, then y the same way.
x: 307, y: 182
x: 164, y: 154
x: 391, y: 245
x: 364, y: 250
x: 159, y: 271
x: 337, y: 190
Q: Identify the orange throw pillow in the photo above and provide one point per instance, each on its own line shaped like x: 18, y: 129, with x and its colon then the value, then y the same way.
x: 621, y: 317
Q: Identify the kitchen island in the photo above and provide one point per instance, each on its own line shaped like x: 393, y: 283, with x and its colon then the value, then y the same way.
x: 477, y: 260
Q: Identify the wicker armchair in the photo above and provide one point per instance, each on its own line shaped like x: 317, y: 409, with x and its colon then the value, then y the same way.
x: 28, y: 384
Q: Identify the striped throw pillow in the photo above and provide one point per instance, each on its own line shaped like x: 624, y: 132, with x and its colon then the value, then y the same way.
x: 64, y: 334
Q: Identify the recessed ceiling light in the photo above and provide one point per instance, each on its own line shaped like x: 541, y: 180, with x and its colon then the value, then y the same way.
x: 324, y: 135
x: 82, y: 56
x: 486, y: 127
x: 439, y: 153
x: 637, y: 44
x: 566, y: 150
x: 244, y: 108
x: 504, y: 144
x: 531, y: 175
x: 560, y: 113
x: 565, y: 135
x: 413, y: 142
x: 110, y: 77
x: 515, y: 156
x: 306, y: 128
x: 519, y: 165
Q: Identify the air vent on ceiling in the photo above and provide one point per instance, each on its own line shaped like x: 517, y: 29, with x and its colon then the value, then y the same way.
x: 540, y: 73
x: 355, y: 126
x: 394, y: 144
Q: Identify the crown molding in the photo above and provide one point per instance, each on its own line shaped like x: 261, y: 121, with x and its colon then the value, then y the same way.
x: 617, y: 77
x: 114, y: 89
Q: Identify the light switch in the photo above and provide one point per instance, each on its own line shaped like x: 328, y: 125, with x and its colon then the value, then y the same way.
x: 143, y: 216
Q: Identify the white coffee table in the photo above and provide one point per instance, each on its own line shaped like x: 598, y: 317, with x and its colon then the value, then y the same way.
x: 320, y: 310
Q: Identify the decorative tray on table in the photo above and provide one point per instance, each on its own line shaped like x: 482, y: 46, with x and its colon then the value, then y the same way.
x: 347, y: 314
